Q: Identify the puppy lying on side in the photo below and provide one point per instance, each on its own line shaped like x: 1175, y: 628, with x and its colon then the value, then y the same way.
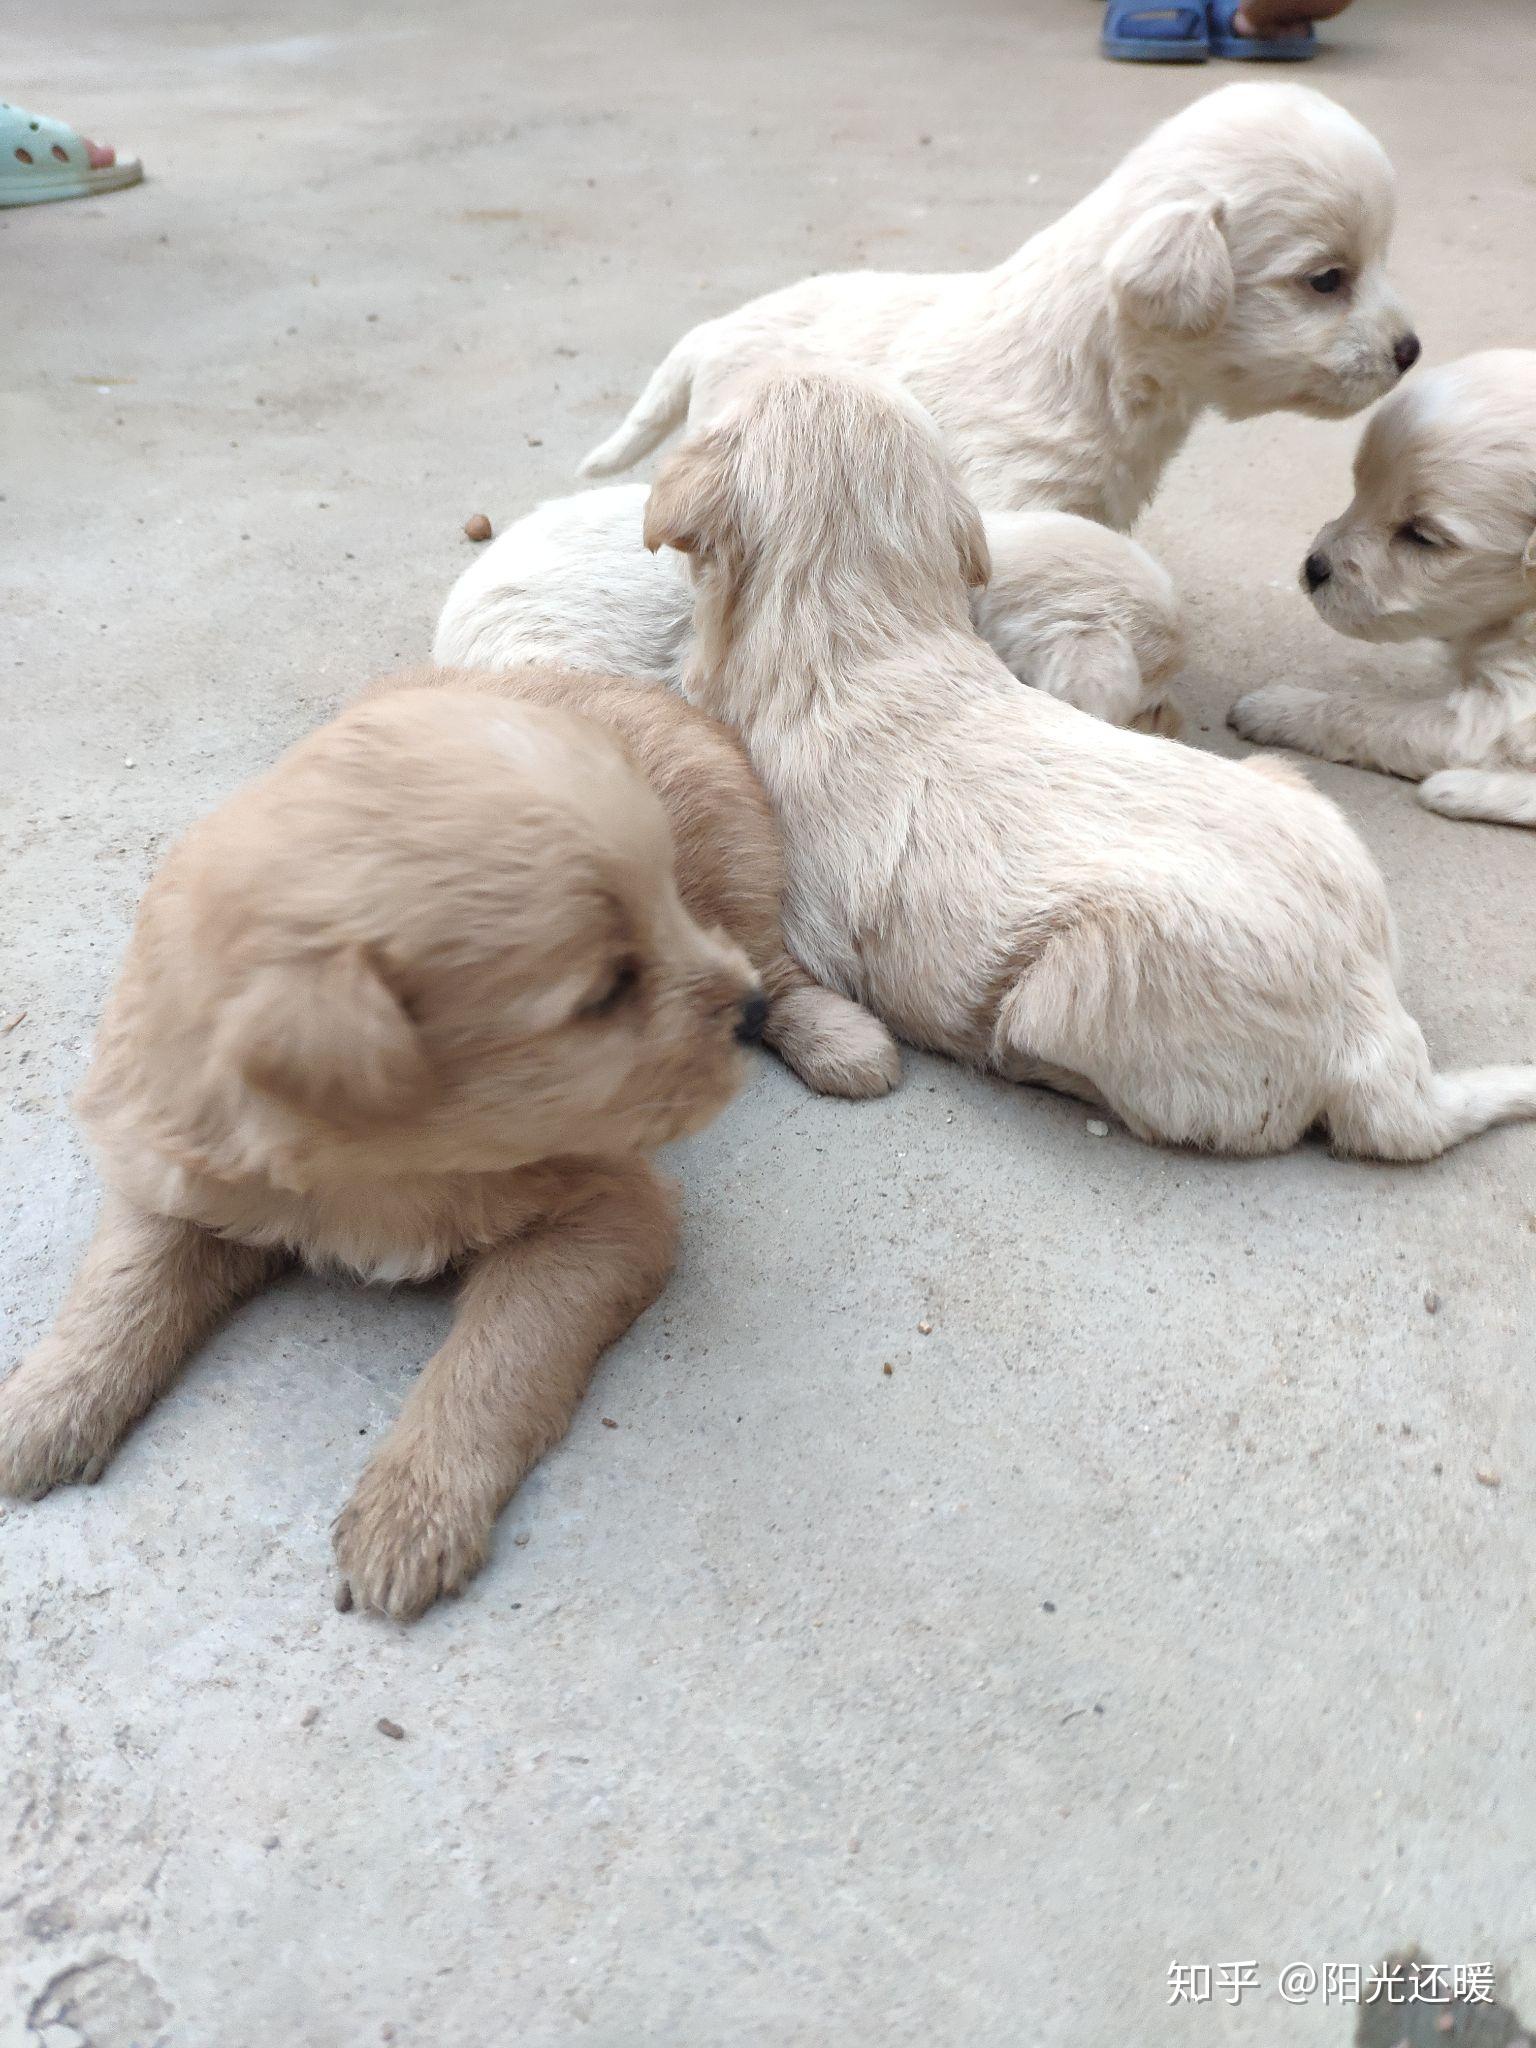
x: 1439, y: 544
x: 1071, y: 607
x: 1235, y: 259
x: 1203, y: 945
x: 421, y: 997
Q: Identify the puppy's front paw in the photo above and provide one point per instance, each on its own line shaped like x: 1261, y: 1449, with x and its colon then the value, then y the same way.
x: 407, y: 1536
x: 1455, y: 793
x: 1275, y: 716
x: 49, y: 1434
x: 834, y: 1045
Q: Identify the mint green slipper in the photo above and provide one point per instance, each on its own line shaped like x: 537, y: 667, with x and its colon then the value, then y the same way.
x: 42, y: 159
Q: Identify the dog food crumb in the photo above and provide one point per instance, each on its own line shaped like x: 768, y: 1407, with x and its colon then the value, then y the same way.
x: 925, y: 1329
x: 477, y: 527
x: 521, y: 1538
x: 1096, y: 1129
x: 309, y: 1717
x: 609, y: 1423
x: 1487, y: 1478
x: 888, y: 1368
x: 1049, y: 1606
x: 390, y: 1728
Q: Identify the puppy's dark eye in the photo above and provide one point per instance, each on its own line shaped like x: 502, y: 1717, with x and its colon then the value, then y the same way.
x: 1327, y: 281
x: 624, y: 982
x: 1414, y: 535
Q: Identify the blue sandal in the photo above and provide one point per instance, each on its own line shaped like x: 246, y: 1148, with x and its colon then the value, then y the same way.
x: 1226, y: 42
x: 1142, y: 31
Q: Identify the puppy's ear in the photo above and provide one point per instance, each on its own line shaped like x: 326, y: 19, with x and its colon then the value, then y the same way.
x: 970, y: 540
x: 325, y: 1035
x: 686, y: 505
x: 1171, y: 271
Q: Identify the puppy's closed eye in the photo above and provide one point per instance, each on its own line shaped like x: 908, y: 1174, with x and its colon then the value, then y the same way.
x: 620, y: 986
x: 1334, y: 279
x: 1413, y: 533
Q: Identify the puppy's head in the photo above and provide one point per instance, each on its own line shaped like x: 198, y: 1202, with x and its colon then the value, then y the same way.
x: 1254, y: 252
x: 810, y: 475
x: 442, y: 936
x: 1440, y: 540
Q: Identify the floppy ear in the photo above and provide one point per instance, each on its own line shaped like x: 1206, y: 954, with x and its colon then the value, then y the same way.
x: 325, y: 1035
x: 684, y: 508
x: 1171, y: 270
x: 970, y: 540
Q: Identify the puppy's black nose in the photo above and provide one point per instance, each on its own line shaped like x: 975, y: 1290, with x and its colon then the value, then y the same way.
x: 1317, y: 570
x: 754, y: 1015
x: 1406, y: 351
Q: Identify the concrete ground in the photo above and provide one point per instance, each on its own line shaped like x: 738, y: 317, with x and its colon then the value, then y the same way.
x: 1157, y: 1607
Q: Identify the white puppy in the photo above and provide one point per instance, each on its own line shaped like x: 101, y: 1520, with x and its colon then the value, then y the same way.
x: 1235, y: 259
x: 1071, y: 607
x: 1204, y: 945
x: 1439, y: 544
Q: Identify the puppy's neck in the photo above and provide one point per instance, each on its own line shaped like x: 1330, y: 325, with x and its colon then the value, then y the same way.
x: 772, y: 641
x: 1501, y: 659
x: 1118, y: 404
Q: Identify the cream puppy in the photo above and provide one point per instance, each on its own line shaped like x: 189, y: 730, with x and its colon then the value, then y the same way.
x: 420, y: 998
x: 1204, y: 945
x: 1235, y: 260
x: 1439, y: 544
x: 1070, y: 607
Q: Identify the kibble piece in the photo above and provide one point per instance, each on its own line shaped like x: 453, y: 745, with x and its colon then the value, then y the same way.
x: 390, y: 1728
x: 477, y: 527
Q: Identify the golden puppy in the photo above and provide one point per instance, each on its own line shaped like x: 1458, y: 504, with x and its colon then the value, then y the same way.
x: 420, y: 997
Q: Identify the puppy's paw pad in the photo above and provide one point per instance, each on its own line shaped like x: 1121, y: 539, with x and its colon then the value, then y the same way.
x: 402, y: 1542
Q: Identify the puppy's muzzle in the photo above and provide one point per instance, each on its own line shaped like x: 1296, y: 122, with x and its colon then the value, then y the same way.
x: 1315, y: 571
x: 753, y: 1018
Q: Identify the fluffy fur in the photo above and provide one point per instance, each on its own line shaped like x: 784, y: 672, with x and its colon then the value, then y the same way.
x: 423, y: 997
x: 1202, y: 945
x: 1234, y: 260
x: 1069, y: 606
x: 1439, y: 544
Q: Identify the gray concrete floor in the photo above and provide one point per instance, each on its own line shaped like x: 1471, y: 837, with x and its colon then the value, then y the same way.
x: 1152, y: 1608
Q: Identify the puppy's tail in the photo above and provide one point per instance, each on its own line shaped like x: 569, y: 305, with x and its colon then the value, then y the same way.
x: 835, y: 1047
x: 1500, y: 799
x: 661, y: 406
x: 1398, y: 1117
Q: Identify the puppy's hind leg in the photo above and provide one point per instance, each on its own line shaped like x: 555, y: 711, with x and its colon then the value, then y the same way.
x: 835, y: 1046
x: 1095, y: 668
x: 151, y: 1288
x: 1505, y: 798
x: 535, y: 1315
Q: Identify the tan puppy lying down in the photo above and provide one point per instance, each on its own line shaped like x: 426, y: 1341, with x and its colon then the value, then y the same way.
x: 1070, y: 606
x: 1235, y: 260
x: 1203, y: 945
x: 1439, y: 544
x: 421, y: 997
